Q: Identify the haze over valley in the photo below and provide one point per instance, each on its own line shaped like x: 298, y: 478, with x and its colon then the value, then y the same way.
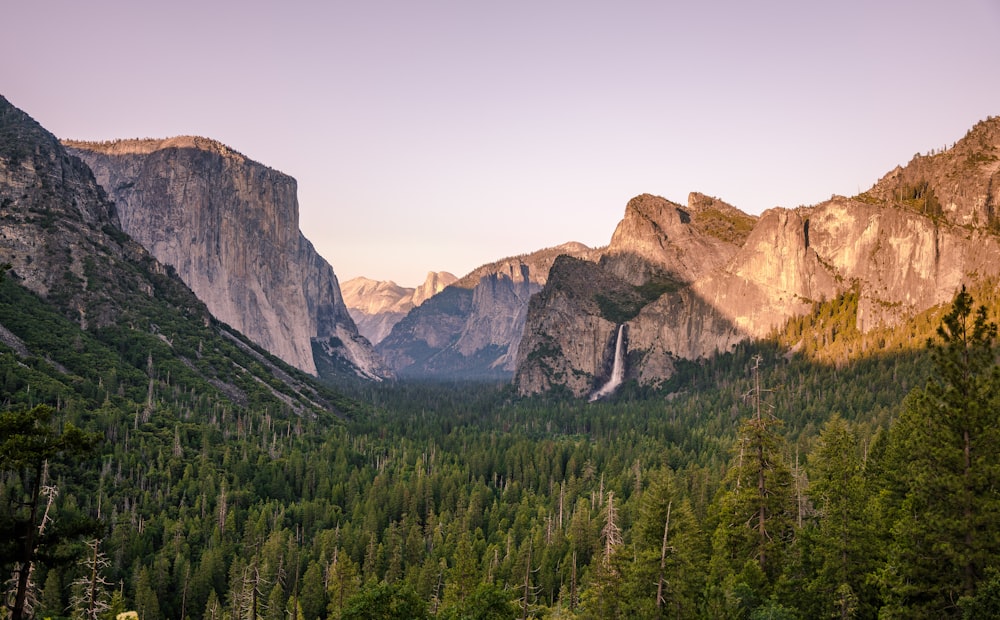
x: 445, y: 311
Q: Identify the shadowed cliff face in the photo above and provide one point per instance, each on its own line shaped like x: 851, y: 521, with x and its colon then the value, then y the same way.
x: 473, y: 327
x: 58, y: 231
x: 687, y: 290
x: 229, y: 226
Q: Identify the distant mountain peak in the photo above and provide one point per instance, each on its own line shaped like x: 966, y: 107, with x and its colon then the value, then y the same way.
x: 377, y: 305
x: 960, y: 185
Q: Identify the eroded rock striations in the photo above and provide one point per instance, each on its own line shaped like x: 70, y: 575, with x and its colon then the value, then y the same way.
x: 62, y: 240
x: 472, y: 328
x: 690, y: 281
x: 229, y: 226
x: 58, y: 230
x: 377, y: 305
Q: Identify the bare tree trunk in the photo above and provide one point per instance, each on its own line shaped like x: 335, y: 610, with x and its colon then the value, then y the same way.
x: 663, y: 559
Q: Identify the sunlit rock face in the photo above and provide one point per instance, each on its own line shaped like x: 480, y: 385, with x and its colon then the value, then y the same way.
x: 691, y: 281
x: 230, y: 228
x: 377, y: 305
x: 660, y: 238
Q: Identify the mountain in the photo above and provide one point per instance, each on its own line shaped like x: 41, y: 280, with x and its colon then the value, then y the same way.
x: 471, y: 328
x: 229, y: 226
x: 377, y: 305
x: 91, y: 320
x: 689, y: 281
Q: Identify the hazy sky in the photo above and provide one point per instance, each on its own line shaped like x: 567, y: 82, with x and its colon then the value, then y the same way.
x: 431, y: 135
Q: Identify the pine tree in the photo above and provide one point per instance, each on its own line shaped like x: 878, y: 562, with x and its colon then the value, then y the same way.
x: 147, y: 605
x: 51, y: 602
x: 463, y: 575
x: 944, y: 453
x: 756, y: 507
x: 29, y: 445
x: 343, y: 582
x: 668, y: 567
x: 213, y: 609
x: 313, y: 593
x: 840, y: 546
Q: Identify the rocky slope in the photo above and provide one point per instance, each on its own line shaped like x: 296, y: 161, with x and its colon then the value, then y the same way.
x: 686, y: 290
x: 229, y: 226
x: 377, y: 305
x: 659, y: 239
x: 472, y: 328
x: 129, y: 315
x: 56, y: 221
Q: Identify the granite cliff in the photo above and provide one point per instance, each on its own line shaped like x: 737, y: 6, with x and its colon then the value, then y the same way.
x: 472, y: 328
x: 129, y: 316
x: 377, y: 305
x: 229, y: 227
x: 691, y: 281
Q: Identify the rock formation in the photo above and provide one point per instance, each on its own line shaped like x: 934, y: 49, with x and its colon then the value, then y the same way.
x: 692, y: 281
x: 60, y: 238
x: 377, y: 305
x: 229, y: 226
x: 472, y: 328
x: 58, y: 232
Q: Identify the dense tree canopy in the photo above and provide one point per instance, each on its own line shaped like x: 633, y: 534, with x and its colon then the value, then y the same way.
x: 838, y: 490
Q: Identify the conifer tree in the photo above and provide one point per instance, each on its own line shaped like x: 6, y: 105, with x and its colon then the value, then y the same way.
x: 147, y: 605
x: 840, y: 546
x: 756, y: 507
x: 29, y: 444
x: 668, y: 568
x: 343, y: 582
x: 944, y: 454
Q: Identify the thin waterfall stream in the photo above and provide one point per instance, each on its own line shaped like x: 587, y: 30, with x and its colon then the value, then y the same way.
x: 617, y: 371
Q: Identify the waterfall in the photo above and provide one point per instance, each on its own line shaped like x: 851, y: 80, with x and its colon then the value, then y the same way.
x: 617, y: 371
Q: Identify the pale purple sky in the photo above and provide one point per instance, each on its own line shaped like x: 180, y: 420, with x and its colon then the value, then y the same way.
x: 444, y: 135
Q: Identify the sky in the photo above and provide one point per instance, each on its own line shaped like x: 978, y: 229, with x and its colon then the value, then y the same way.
x: 432, y: 135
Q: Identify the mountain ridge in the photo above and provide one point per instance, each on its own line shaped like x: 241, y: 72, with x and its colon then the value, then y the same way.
x: 905, y: 245
x: 471, y: 329
x: 84, y: 307
x: 377, y: 305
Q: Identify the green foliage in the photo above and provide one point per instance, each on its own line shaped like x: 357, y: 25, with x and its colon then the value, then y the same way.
x: 986, y: 602
x: 385, y: 601
x: 756, y: 508
x: 484, y: 602
x: 839, y: 539
x: 921, y: 198
x: 460, y: 500
x: 946, y: 445
x: 34, y: 455
x: 728, y: 225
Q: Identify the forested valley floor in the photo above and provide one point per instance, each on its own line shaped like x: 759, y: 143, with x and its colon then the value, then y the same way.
x: 759, y: 484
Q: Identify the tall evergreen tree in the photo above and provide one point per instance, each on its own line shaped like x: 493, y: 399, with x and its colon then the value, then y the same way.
x: 945, y: 455
x: 757, y: 506
x: 839, y: 547
x: 30, y: 444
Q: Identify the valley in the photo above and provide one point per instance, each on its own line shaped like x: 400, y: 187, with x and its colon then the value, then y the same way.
x: 194, y: 426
